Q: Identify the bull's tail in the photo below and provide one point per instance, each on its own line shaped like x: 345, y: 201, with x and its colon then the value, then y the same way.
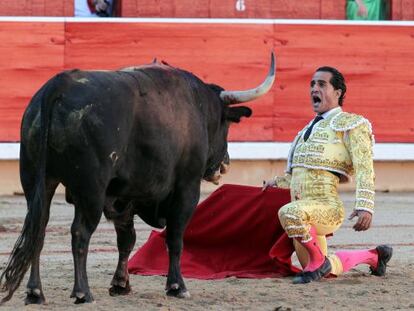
x: 26, y: 245
x: 30, y: 241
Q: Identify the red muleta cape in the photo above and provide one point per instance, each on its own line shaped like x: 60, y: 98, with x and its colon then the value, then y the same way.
x: 233, y: 232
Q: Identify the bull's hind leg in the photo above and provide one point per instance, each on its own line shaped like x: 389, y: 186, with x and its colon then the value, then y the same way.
x: 185, y: 201
x: 88, y: 212
x: 125, y: 240
x: 28, y: 173
x: 34, y: 293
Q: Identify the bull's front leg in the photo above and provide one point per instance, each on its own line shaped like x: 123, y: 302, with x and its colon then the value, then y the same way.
x: 182, y: 209
x: 126, y: 240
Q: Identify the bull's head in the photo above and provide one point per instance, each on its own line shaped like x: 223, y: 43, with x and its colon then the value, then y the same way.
x: 234, y: 114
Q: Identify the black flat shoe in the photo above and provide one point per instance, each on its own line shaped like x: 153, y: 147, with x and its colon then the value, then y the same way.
x: 384, y: 255
x: 310, y: 276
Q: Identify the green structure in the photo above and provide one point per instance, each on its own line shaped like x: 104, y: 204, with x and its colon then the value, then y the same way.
x: 376, y: 10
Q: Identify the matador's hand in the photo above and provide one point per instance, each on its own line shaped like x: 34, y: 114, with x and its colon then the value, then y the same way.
x: 364, y: 220
x: 268, y: 183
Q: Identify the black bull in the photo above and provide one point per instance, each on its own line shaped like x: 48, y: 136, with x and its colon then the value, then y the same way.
x: 134, y: 141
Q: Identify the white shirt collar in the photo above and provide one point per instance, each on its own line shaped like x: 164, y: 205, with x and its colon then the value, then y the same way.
x: 326, y: 114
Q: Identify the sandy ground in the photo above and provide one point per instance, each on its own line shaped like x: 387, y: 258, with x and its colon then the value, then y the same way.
x: 393, y: 224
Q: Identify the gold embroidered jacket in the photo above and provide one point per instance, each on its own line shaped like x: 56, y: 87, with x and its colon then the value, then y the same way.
x: 341, y: 143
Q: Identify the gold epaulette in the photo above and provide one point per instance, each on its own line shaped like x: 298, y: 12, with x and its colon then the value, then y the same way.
x: 345, y: 121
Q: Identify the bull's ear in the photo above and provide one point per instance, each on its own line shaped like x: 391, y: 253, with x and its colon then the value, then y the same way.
x: 234, y: 114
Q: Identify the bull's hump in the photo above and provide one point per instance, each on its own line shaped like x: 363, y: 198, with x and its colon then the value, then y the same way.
x: 163, y: 65
x: 82, y: 80
x: 84, y: 76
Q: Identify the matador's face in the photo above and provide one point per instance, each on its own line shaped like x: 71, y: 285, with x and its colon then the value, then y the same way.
x: 323, y: 95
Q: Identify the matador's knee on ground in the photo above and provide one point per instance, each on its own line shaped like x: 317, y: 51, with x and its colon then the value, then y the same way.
x: 292, y: 223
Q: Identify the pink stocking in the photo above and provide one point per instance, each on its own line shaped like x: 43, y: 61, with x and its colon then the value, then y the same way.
x: 350, y: 259
x: 316, y: 257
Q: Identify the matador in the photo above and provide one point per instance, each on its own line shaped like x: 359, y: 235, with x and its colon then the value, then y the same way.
x: 329, y: 150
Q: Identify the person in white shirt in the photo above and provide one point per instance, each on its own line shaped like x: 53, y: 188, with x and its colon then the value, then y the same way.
x: 93, y: 8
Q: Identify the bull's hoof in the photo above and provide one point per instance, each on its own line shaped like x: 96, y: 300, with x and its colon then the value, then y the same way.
x: 34, y: 296
x: 116, y: 290
x: 82, y: 297
x: 174, y: 290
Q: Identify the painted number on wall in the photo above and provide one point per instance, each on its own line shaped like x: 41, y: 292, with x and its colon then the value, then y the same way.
x: 240, y: 5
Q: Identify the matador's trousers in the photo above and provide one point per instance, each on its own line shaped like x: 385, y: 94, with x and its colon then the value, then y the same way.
x: 315, y: 203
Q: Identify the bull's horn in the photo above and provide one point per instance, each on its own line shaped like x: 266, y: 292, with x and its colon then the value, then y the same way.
x: 236, y: 97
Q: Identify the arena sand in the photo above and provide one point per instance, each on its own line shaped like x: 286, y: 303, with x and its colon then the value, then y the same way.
x: 358, y: 290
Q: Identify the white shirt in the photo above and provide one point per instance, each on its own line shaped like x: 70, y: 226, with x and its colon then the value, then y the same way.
x: 325, y: 115
x: 329, y: 112
x: 294, y: 143
x: 82, y: 9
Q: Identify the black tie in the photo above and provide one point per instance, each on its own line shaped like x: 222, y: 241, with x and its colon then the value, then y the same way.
x: 309, y: 130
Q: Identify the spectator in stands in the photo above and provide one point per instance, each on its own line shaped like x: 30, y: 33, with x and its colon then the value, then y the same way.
x: 330, y: 149
x: 368, y: 9
x: 95, y: 8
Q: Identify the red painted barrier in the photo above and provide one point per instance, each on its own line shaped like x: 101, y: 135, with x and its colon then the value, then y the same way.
x: 316, y: 9
x: 30, y: 53
x: 293, y: 9
x: 376, y: 61
x: 37, y: 8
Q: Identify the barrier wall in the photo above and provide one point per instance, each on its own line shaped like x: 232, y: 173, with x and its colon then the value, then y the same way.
x: 376, y: 61
x: 36, y: 8
x: 402, y: 10
x: 316, y: 9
